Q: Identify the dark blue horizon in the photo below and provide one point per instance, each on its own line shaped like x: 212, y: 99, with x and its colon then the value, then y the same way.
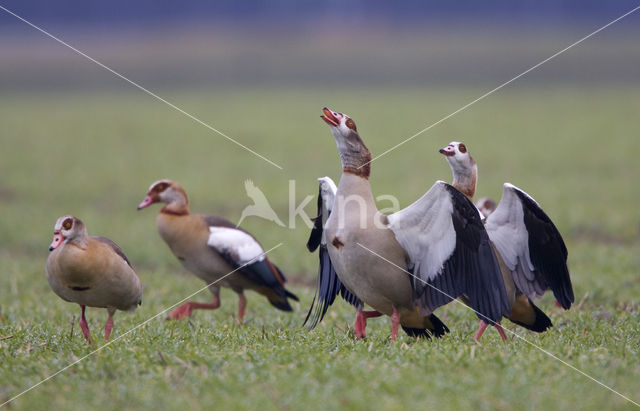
x: 151, y: 12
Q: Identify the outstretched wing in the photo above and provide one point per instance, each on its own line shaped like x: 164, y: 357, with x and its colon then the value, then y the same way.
x: 328, y: 285
x: 326, y: 195
x: 450, y: 254
x: 317, y: 231
x: 530, y: 245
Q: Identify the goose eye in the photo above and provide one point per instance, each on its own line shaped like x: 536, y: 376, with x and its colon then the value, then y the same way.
x: 161, y: 187
x: 351, y: 124
x: 67, y: 224
x: 462, y: 148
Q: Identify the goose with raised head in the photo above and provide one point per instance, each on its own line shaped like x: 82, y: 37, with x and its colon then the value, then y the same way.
x: 409, y: 263
x: 328, y: 285
x: 216, y: 251
x: 531, y: 251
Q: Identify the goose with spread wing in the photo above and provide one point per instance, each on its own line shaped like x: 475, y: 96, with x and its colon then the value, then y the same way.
x: 216, y: 251
x: 328, y: 285
x: 409, y: 263
x: 531, y: 251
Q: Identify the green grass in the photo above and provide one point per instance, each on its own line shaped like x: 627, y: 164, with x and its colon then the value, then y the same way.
x: 94, y: 155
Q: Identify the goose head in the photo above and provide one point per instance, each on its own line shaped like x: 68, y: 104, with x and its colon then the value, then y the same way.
x: 463, y: 167
x: 355, y: 156
x: 68, y: 229
x: 168, y: 192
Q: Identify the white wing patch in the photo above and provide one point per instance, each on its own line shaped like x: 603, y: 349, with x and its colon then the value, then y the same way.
x: 236, y: 243
x: 328, y: 191
x: 425, y: 230
x: 508, y: 233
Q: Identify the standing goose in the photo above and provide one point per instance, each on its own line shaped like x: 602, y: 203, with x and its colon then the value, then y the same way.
x: 531, y: 251
x: 211, y: 248
x: 439, y: 239
x: 91, y: 271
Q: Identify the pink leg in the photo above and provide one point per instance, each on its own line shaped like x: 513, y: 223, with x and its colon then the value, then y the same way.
x: 371, y: 314
x: 395, y: 320
x: 85, y: 326
x: 187, y: 308
x: 108, y: 326
x: 242, y: 304
x: 481, y: 328
x: 501, y: 331
x: 360, y: 325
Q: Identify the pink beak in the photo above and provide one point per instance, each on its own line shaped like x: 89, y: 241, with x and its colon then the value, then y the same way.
x: 57, y: 240
x: 146, y: 202
x: 331, y: 117
x: 448, y: 151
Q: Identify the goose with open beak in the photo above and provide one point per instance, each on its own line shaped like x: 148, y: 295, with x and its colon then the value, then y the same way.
x: 91, y: 272
x: 328, y: 285
x: 531, y: 251
x: 409, y: 263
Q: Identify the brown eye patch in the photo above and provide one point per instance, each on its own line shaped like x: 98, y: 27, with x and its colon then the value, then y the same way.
x: 351, y: 124
x: 462, y: 148
x: 67, y: 224
x: 161, y: 187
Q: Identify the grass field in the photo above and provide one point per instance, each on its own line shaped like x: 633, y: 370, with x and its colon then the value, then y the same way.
x: 94, y: 155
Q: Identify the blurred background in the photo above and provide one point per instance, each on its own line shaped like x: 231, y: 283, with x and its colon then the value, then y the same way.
x: 76, y: 138
x: 213, y: 44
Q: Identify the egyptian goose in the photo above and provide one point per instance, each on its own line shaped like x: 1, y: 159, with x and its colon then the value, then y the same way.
x: 328, y: 285
x: 91, y: 271
x: 211, y: 248
x: 531, y: 252
x: 439, y: 239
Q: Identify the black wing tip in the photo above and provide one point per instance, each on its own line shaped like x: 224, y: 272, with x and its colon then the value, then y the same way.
x: 281, y: 302
x: 566, y: 296
x: 282, y: 305
x: 291, y: 295
x: 438, y: 329
x: 541, y: 323
x: 417, y: 332
x: 565, y: 303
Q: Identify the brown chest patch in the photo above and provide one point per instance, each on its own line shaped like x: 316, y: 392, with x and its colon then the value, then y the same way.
x: 337, y: 243
x: 181, y: 258
x: 362, y: 171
